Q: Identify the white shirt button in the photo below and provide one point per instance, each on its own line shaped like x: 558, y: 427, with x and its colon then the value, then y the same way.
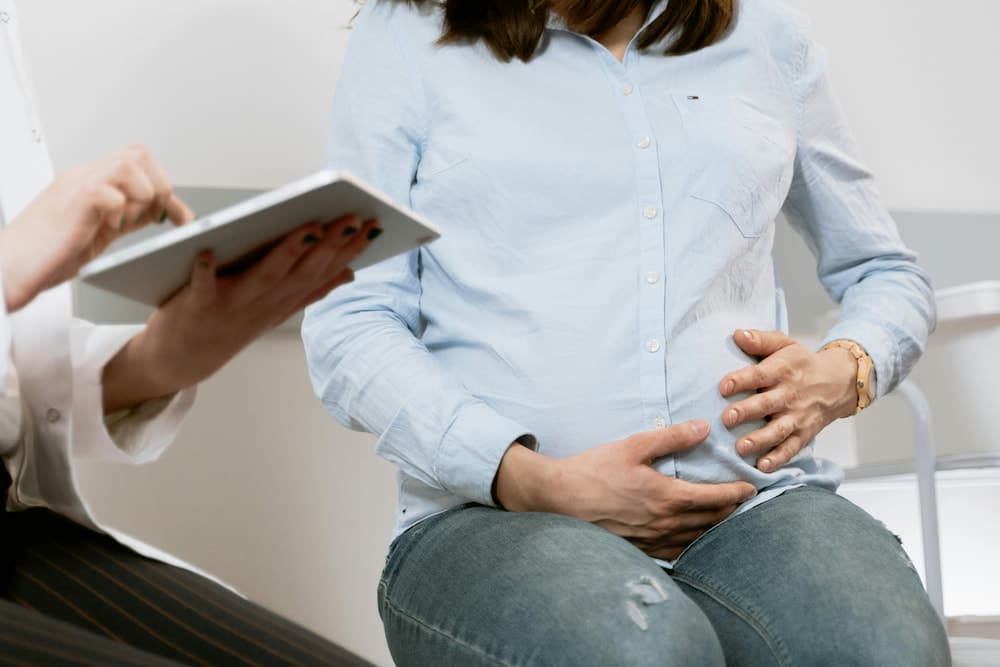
x: 652, y: 277
x: 653, y: 346
x: 660, y: 422
x: 628, y: 89
x: 36, y: 136
x: 5, y: 17
x: 52, y: 415
x: 644, y: 143
x: 650, y: 212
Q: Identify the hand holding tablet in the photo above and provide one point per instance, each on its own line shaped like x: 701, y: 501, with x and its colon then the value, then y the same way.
x: 153, y: 270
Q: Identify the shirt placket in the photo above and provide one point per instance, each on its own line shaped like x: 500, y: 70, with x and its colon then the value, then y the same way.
x: 649, y: 219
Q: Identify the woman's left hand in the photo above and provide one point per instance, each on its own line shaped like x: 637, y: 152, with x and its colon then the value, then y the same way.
x: 799, y: 392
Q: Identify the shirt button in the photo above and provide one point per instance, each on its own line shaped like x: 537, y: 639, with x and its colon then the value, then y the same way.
x: 650, y: 212
x: 628, y: 89
x: 644, y: 143
x: 660, y: 422
x: 653, y: 346
x: 5, y: 17
x: 52, y: 415
x: 652, y: 277
x: 36, y: 136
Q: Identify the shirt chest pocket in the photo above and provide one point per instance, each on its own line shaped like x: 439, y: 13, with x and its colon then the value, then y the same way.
x: 740, y: 157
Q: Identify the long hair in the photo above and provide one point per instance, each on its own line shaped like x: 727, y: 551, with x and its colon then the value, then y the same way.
x: 514, y: 28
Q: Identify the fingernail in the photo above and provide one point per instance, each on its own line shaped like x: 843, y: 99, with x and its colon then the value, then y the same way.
x: 747, y: 446
x: 350, y: 231
x: 121, y: 223
x: 734, y: 416
x: 163, y: 216
x: 699, y: 427
x: 310, y: 239
x: 729, y: 387
x: 204, y: 264
x: 748, y: 335
x: 765, y: 465
x: 374, y: 233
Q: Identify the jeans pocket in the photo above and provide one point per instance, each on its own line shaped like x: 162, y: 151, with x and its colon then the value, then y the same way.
x: 740, y: 157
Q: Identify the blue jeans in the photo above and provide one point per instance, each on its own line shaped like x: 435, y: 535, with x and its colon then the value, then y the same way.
x: 805, y: 579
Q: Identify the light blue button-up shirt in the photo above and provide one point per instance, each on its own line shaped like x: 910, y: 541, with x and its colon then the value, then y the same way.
x: 607, y: 226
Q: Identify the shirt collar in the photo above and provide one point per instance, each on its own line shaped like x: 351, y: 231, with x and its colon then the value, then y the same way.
x: 556, y: 22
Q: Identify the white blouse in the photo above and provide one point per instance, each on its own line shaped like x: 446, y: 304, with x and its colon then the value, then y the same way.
x: 51, y: 410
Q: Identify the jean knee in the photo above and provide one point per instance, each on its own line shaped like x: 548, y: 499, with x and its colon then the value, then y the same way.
x: 648, y: 624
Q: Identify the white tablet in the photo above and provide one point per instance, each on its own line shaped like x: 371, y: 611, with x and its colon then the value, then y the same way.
x: 151, y: 271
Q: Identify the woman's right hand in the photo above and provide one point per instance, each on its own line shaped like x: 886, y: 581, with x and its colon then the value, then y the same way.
x: 78, y: 216
x: 615, y: 486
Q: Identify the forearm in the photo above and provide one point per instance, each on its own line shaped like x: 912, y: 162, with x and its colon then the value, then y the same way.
x: 130, y: 378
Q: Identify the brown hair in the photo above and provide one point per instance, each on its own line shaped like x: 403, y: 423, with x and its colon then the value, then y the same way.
x: 514, y: 28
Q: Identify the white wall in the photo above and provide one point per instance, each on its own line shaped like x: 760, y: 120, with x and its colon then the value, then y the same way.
x: 263, y: 488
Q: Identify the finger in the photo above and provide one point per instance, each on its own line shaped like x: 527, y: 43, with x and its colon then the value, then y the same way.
x: 320, y: 262
x: 203, y: 279
x: 758, y: 406
x: 108, y: 204
x: 664, y: 542
x: 761, y: 343
x: 690, y: 521
x: 698, y: 497
x: 652, y: 445
x: 765, y: 374
x: 177, y: 211
x: 280, y: 260
x: 157, y: 177
x: 776, y: 432
x: 343, y: 278
x: 126, y: 175
x: 785, y: 452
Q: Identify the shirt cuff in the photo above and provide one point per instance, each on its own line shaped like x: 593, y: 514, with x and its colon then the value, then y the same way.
x: 139, y: 435
x: 472, y: 448
x: 878, y: 343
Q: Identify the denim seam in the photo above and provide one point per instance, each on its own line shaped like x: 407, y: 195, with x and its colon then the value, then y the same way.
x: 438, y: 631
x: 727, y: 600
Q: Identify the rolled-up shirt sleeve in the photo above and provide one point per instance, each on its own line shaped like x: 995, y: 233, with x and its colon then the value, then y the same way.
x: 887, y: 303
x: 367, y: 362
x: 136, y: 436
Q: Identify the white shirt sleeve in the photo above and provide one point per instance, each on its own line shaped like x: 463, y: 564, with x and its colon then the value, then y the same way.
x: 136, y: 436
x: 10, y: 396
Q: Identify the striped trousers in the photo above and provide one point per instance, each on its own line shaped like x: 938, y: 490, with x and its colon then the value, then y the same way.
x: 70, y: 596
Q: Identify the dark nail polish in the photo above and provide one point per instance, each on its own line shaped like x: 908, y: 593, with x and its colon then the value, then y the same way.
x: 350, y: 231
x: 374, y: 234
x: 204, y: 265
x: 310, y: 239
x: 163, y: 216
x: 121, y: 223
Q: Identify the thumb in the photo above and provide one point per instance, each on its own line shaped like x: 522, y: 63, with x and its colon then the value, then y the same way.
x: 761, y: 343
x: 665, y: 441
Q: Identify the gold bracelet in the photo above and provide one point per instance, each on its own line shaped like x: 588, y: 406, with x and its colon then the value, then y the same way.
x: 866, y: 381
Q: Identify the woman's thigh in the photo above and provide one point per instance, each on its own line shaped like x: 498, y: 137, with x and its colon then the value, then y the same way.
x: 811, y: 579
x: 70, y: 574
x: 479, y: 586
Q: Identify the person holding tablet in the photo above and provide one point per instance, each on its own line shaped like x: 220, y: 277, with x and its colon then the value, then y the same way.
x: 69, y: 592
x: 597, y: 343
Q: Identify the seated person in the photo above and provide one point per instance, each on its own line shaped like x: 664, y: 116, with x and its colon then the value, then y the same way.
x: 607, y: 175
x: 69, y: 592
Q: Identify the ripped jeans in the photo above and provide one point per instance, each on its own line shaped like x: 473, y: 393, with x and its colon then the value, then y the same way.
x: 804, y: 579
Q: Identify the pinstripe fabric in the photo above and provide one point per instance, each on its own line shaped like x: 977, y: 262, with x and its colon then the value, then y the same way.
x: 73, y: 596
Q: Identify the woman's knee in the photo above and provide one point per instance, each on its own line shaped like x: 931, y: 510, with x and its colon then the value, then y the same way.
x: 498, y: 588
